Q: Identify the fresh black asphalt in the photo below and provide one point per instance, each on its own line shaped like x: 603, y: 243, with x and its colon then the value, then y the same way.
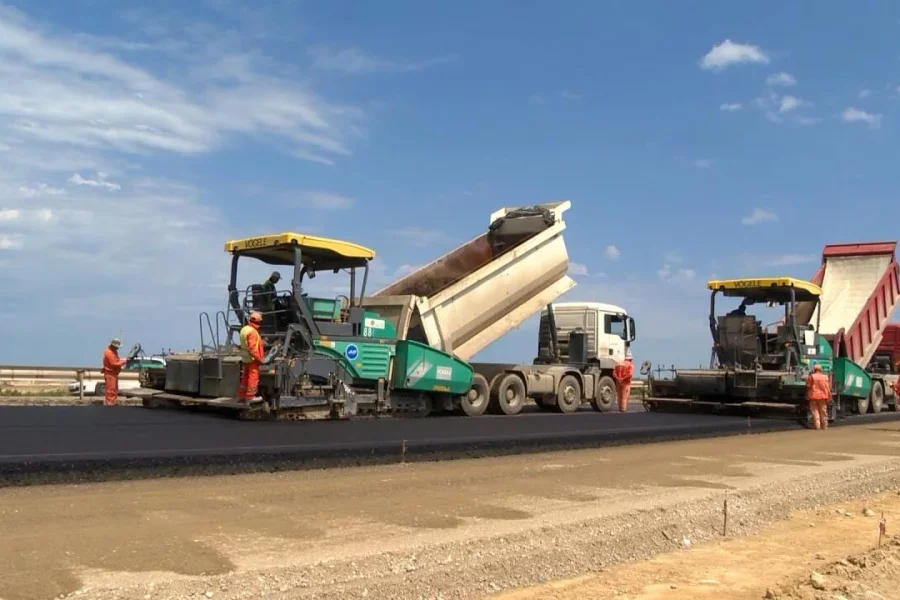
x: 80, y: 441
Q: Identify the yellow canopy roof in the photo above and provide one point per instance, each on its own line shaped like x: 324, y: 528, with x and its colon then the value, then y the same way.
x: 324, y: 253
x: 764, y: 289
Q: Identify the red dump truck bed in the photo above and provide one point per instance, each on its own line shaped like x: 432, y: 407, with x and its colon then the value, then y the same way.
x: 860, y: 292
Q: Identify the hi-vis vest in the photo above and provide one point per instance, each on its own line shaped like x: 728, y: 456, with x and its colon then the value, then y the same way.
x: 246, y: 356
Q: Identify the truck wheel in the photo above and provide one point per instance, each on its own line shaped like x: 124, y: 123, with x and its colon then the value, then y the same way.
x: 876, y: 397
x: 511, y: 394
x: 476, y: 401
x: 605, y: 394
x: 100, y: 390
x: 568, y: 394
x: 862, y: 406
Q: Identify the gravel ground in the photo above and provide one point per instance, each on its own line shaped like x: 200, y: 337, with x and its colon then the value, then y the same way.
x: 467, y: 529
x: 477, y: 569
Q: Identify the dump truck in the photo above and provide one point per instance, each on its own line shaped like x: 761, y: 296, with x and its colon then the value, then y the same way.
x: 579, y: 345
x: 837, y: 320
x: 885, y: 367
x: 402, y: 351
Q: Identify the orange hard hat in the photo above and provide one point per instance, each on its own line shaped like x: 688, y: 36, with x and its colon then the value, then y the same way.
x: 817, y: 368
x: 255, y: 317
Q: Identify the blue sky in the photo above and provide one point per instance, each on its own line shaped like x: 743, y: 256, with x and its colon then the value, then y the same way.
x: 693, y: 139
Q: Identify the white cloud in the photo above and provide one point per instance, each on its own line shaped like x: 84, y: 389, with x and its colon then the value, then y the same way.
x: 674, y: 258
x: 324, y: 200
x: 808, y: 120
x: 42, y: 189
x: 759, y: 215
x: 577, y: 269
x: 785, y: 79
x: 71, y: 91
x: 9, y: 214
x: 612, y: 252
x: 357, y: 61
x: 703, y: 163
x: 536, y: 99
x: 789, y: 103
x: 865, y: 93
x: 570, y: 95
x: 855, y: 115
x: 45, y: 215
x: 77, y: 179
x: 731, y: 106
x: 8, y: 243
x: 670, y: 274
x: 728, y: 53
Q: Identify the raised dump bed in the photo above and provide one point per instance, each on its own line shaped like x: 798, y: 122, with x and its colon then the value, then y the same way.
x: 476, y: 293
x: 860, y: 292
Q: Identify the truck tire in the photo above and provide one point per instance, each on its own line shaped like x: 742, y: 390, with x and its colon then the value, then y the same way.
x: 510, y: 394
x: 568, y: 395
x: 605, y: 394
x: 861, y: 406
x: 476, y: 401
x: 100, y: 390
x: 876, y: 397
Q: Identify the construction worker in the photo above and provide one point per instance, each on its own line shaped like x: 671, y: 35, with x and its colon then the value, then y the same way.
x: 269, y: 285
x: 818, y: 393
x: 112, y: 366
x: 251, y: 357
x: 622, y: 373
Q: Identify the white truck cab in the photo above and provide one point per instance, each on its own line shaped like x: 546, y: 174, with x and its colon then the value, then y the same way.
x: 609, y: 329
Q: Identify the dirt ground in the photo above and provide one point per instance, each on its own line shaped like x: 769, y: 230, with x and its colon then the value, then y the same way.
x: 467, y: 528
x: 830, y: 552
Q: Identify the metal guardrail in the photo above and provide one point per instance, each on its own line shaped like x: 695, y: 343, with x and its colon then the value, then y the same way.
x: 25, y: 372
x: 18, y: 372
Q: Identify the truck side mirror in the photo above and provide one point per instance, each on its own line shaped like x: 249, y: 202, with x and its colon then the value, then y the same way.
x: 631, y: 331
x: 645, y: 367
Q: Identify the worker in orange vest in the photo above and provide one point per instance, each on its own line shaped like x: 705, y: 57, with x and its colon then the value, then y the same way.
x: 112, y: 366
x: 251, y: 357
x: 818, y: 393
x: 622, y: 373
x: 896, y: 384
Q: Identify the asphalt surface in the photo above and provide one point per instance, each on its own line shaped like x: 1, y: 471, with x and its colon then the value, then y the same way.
x: 95, y: 441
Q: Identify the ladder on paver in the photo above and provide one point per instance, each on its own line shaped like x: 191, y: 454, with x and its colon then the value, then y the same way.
x: 211, y: 353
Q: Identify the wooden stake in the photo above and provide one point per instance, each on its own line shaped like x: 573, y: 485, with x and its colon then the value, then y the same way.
x: 882, y: 528
x: 725, y: 524
x: 403, y: 458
